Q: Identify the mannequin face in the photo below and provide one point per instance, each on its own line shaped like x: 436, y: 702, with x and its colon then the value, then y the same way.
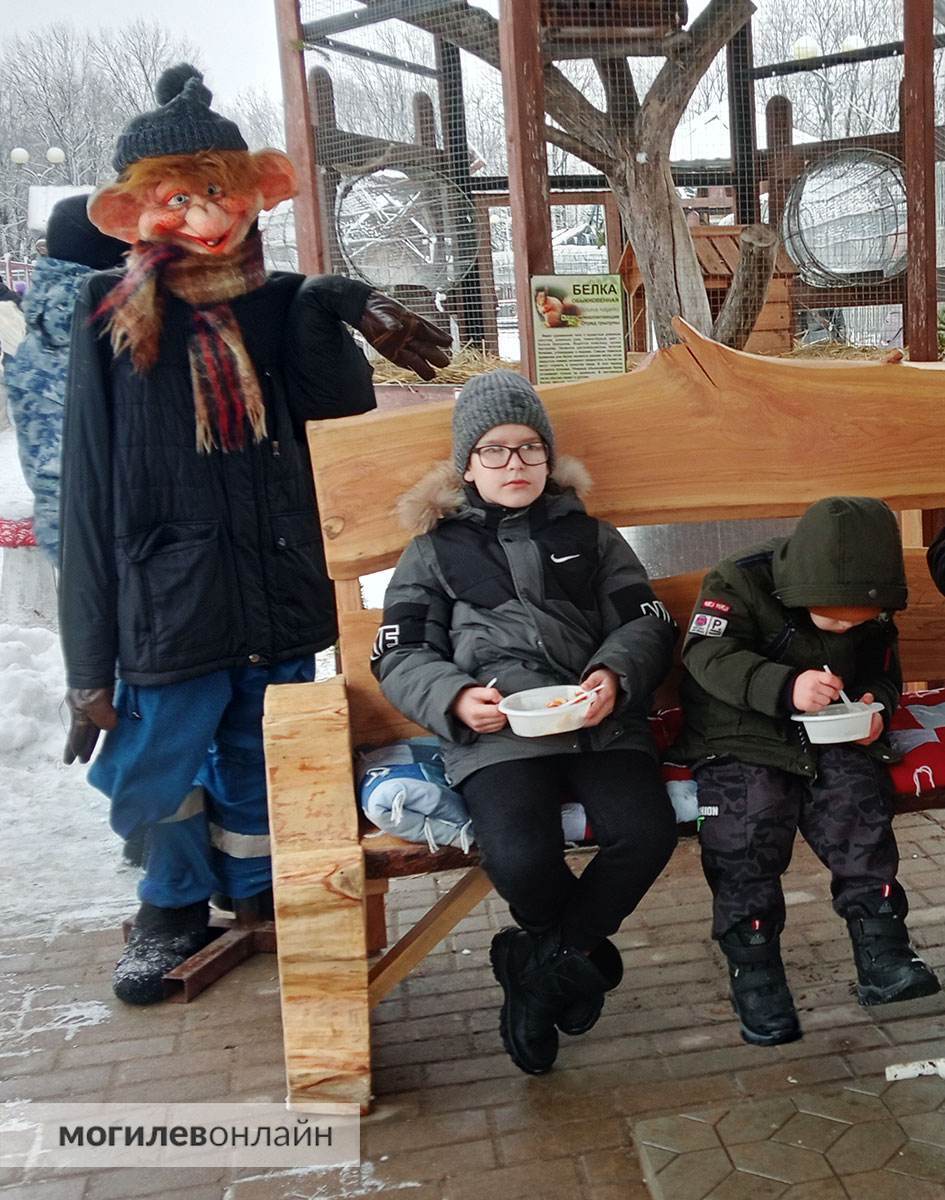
x: 206, y: 203
x: 516, y: 484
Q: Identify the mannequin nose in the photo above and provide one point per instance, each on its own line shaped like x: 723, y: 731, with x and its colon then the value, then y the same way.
x: 207, y: 219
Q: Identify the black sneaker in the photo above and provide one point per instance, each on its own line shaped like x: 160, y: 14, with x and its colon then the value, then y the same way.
x: 887, y: 967
x: 759, y: 991
x: 162, y: 938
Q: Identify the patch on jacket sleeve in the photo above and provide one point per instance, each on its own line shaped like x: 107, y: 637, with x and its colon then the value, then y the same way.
x: 708, y: 626
x: 637, y: 600
x: 717, y: 606
x: 405, y: 625
x: 387, y: 637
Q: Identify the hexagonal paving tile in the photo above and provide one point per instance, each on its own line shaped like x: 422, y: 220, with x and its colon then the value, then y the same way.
x: 866, y: 1147
x: 813, y: 1133
x: 870, y: 1140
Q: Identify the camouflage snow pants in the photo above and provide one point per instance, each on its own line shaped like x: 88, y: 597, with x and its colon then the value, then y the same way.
x: 751, y: 814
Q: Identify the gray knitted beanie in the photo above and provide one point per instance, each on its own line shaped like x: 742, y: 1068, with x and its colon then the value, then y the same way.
x: 497, y: 398
x: 184, y: 123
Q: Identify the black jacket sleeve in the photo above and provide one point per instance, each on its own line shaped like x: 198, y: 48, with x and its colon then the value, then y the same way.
x: 326, y: 371
x: 87, y: 583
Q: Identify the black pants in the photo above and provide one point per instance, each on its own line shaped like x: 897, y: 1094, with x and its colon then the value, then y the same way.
x: 516, y: 814
x: 751, y: 814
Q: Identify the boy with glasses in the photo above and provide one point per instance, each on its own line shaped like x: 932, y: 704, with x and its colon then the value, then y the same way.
x: 511, y: 585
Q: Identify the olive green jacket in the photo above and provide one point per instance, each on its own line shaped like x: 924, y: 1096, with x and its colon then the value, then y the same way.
x: 751, y: 635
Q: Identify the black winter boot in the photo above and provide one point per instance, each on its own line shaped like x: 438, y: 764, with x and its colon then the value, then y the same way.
x: 581, y: 1014
x: 162, y: 938
x: 887, y: 966
x: 760, y: 995
x: 527, y: 1019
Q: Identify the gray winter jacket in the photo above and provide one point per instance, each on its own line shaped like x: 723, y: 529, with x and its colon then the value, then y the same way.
x: 531, y: 597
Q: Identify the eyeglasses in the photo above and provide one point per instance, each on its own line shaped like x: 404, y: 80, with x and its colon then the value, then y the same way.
x: 531, y: 454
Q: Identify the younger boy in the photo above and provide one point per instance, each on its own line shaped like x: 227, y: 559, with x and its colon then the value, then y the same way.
x: 513, y: 586
x: 766, y: 623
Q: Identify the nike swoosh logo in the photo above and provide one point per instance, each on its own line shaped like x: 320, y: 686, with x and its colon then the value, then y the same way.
x: 563, y: 558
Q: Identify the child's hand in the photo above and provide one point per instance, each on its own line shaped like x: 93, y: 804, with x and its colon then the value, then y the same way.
x: 876, y: 722
x: 476, y: 707
x: 602, y: 702
x: 814, y: 690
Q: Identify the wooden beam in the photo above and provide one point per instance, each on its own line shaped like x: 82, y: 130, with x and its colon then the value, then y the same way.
x: 741, y: 107
x: 384, y: 10
x: 918, y: 128
x: 428, y: 932
x: 523, y: 92
x: 300, y: 140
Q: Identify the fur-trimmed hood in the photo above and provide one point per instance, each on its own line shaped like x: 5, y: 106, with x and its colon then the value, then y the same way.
x: 440, y: 493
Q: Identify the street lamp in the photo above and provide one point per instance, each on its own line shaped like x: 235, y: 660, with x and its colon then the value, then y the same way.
x: 20, y: 158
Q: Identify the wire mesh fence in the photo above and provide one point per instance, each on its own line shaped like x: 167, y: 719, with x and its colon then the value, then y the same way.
x: 670, y: 128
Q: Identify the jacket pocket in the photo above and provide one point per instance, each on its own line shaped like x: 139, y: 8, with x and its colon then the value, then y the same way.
x: 302, y: 595
x: 177, y: 596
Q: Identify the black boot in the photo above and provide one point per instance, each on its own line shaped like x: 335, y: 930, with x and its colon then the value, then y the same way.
x: 162, y: 938
x: 886, y: 965
x: 760, y: 995
x: 581, y: 1014
x: 527, y: 1019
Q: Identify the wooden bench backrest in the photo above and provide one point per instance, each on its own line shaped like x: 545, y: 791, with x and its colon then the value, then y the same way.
x: 696, y: 433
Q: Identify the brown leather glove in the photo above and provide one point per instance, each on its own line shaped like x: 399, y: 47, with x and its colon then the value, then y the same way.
x: 404, y: 336
x: 91, y: 711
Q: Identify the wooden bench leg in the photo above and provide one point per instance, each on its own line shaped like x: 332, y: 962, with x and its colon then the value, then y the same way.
x: 375, y: 914
x: 318, y: 885
x: 323, y: 977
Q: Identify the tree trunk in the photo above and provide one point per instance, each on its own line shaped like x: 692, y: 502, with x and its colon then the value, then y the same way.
x: 758, y: 248
x: 656, y: 225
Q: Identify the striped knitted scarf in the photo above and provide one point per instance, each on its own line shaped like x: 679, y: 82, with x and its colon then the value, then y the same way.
x: 227, y: 396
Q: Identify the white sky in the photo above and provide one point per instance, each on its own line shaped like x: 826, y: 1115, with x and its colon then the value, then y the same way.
x: 236, y: 38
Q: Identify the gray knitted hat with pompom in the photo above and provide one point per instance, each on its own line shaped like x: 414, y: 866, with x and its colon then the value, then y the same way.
x: 184, y: 123
x: 497, y: 398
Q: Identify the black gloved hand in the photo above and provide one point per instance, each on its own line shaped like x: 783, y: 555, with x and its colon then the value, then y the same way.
x: 403, y: 336
x: 91, y: 711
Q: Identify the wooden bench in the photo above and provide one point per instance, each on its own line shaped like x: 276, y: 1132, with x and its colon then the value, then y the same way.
x: 696, y: 433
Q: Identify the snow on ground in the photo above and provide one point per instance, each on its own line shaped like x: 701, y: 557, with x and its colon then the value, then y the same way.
x: 16, y: 500
x: 62, y: 865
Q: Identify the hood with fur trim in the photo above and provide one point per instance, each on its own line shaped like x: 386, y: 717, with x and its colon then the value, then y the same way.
x: 440, y: 493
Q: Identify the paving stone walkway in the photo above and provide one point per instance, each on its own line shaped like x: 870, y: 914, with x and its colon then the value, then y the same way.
x: 454, y: 1120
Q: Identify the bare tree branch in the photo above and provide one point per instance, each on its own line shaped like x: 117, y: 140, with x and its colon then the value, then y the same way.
x: 560, y: 137
x: 623, y: 103
x: 666, y: 100
x: 475, y: 31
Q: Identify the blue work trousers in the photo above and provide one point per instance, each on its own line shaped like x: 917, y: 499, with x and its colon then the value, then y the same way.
x: 186, y: 764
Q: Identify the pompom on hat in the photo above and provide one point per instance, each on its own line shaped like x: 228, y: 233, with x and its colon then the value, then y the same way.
x: 183, y: 124
x: 497, y: 398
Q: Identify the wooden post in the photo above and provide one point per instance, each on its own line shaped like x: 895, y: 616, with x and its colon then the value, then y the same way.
x: 739, y: 60
x: 523, y: 92
x: 300, y: 139
x: 453, y: 123
x: 918, y: 120
x: 779, y: 124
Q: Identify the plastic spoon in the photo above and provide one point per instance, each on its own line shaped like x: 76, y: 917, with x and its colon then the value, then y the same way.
x: 843, y: 696
x: 492, y: 681
x: 585, y: 692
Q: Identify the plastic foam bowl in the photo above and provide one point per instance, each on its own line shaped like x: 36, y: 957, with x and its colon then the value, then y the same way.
x: 839, y: 722
x: 530, y: 716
